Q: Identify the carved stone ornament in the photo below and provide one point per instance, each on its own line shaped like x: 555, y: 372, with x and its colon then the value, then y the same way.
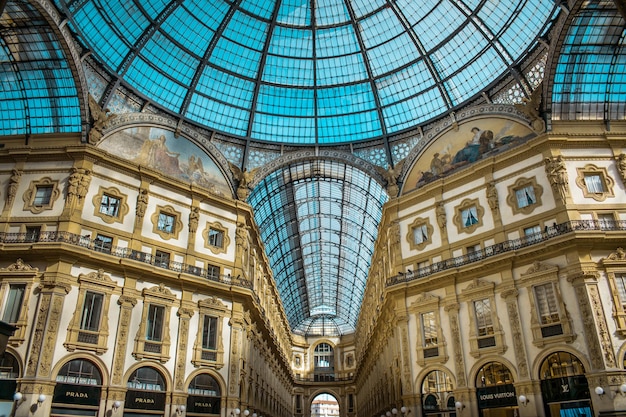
x: 618, y: 255
x: 19, y: 265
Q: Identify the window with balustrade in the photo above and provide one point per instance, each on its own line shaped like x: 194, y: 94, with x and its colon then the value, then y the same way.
x: 209, y: 346
x: 153, y: 339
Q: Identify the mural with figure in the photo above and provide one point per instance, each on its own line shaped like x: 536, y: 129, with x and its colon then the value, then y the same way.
x: 473, y: 140
x: 158, y: 149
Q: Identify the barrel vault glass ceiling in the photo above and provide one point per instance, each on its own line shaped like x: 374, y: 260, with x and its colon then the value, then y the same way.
x: 283, y: 72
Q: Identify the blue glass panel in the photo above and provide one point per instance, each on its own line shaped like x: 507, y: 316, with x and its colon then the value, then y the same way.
x: 226, y: 87
x: 529, y: 21
x: 170, y: 59
x: 273, y: 128
x: 291, y: 42
x: 154, y: 7
x: 335, y: 41
x: 210, y: 12
x: 380, y: 28
x: 286, y: 101
x: 351, y: 127
x: 101, y: 36
x: 458, y: 51
x: 497, y: 14
x: 126, y: 18
x: 185, y: 29
x: 350, y: 98
x: 407, y: 113
x: 161, y: 89
x: 414, y: 11
x: 404, y: 83
x: 340, y: 70
x: 331, y: 12
x: 364, y: 7
x: 295, y: 12
x: 262, y: 9
x: 474, y: 76
x: 245, y: 30
x: 218, y: 115
x: 287, y: 71
x: 236, y: 58
x: 445, y: 19
x: 395, y: 53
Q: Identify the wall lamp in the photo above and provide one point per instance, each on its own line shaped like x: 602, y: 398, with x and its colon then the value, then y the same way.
x: 180, y: 409
x: 599, y: 391
x: 18, y: 397
x: 41, y: 399
x: 116, y: 405
x: 523, y: 400
x: 459, y: 406
x: 622, y: 389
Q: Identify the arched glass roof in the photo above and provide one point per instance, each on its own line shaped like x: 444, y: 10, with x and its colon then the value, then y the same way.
x: 309, y: 72
x: 319, y: 221
x: 37, y: 88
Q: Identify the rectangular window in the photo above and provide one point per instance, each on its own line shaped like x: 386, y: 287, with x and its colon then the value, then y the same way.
x: 212, y: 271
x: 484, y: 321
x: 32, y: 233
x: 166, y: 223
x: 92, y: 310
x: 162, y: 259
x: 154, y: 323
x: 473, y: 252
x: 594, y: 183
x: 103, y: 243
x: 110, y: 205
x: 216, y: 238
x: 469, y: 216
x: 209, y: 333
x: 43, y: 194
x: 547, y: 304
x: 606, y: 221
x: 532, y: 231
x: 525, y: 196
x: 429, y: 329
x: 13, y: 305
x: 620, y: 283
x: 420, y: 234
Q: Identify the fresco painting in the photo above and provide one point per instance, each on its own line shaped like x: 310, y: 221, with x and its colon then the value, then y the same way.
x: 158, y: 149
x: 473, y: 140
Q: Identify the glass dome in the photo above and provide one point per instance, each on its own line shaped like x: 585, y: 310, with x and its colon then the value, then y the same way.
x: 304, y: 72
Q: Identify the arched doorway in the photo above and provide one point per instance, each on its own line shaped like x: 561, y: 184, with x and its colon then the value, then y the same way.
x: 437, y: 395
x: 495, y: 391
x: 204, y: 396
x: 78, y: 389
x: 324, y: 405
x: 9, y: 372
x: 564, y: 386
x: 146, y: 393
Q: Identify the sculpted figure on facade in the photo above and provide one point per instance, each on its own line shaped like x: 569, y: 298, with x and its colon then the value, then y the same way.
x: 492, y: 196
x: 621, y: 166
x: 142, y: 203
x: 557, y: 175
x: 441, y: 215
x: 194, y: 215
x: 14, y: 182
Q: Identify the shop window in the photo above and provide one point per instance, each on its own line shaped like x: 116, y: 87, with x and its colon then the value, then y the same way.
x: 78, y: 389
x: 16, y: 283
x: 564, y: 386
x: 494, y: 389
x: 209, y: 347
x: 468, y: 216
x: 204, y: 396
x: 420, y: 234
x: 595, y: 182
x: 146, y: 390
x: 103, y: 243
x: 41, y: 195
x: 166, y: 222
x: 486, y: 333
x: 430, y: 346
x: 89, y: 327
x: 110, y: 205
x: 524, y: 195
x: 615, y: 268
x: 216, y: 238
x: 550, y: 321
x: 437, y: 390
x: 153, y: 336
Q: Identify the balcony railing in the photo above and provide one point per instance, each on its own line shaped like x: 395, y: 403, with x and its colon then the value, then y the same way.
x: 510, y: 245
x: 122, y: 252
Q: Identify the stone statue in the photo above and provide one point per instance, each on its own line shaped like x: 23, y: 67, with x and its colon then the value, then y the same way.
x: 441, y: 215
x: 142, y: 203
x: 492, y: 196
x: 391, y: 175
x: 193, y: 219
x: 244, y: 178
x: 100, y: 118
x: 557, y: 175
x: 14, y: 182
x: 621, y: 166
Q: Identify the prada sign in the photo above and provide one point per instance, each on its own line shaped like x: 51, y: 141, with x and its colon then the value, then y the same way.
x: 145, y: 400
x: 201, y: 404
x: 77, y: 394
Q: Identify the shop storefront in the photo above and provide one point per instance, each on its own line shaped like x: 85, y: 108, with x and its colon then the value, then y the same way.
x: 146, y: 393
x: 9, y: 371
x: 564, y: 386
x: 495, y: 392
x: 78, y: 390
x: 204, y: 396
x: 437, y: 395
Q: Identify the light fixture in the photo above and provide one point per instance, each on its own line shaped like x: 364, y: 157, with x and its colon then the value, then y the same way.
x: 622, y: 389
x: 599, y: 391
x: 254, y: 415
x: 246, y: 412
x: 116, y: 405
x: 388, y: 413
x: 41, y: 399
x: 235, y: 412
x: 18, y: 397
x: 394, y: 411
x: 523, y: 400
x: 459, y: 406
x: 180, y: 409
x: 404, y: 410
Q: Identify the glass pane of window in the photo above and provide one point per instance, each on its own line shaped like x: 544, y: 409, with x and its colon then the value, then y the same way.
x: 531, y: 231
x: 32, y: 233
x: 546, y: 303
x: 162, y: 259
x: 594, y: 183
x: 429, y: 329
x: 484, y: 321
x: 103, y: 243
x: 42, y: 195
x: 110, y: 205
x: 420, y: 234
x: 13, y: 304
x: 620, y: 283
x: 154, y: 323
x: 525, y: 196
x: 92, y: 309
x: 213, y: 271
x: 469, y: 216
x: 209, y: 333
x: 80, y: 371
x: 216, y: 238
x: 166, y: 223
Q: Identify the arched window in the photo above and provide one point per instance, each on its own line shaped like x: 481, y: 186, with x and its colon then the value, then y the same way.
x: 495, y: 391
x: 146, y: 391
x: 79, y: 387
x: 204, y: 396
x: 9, y: 372
x: 564, y: 386
x: 146, y: 378
x: 493, y: 373
x: 561, y: 364
x: 80, y: 371
x: 437, y: 390
x: 323, y: 360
